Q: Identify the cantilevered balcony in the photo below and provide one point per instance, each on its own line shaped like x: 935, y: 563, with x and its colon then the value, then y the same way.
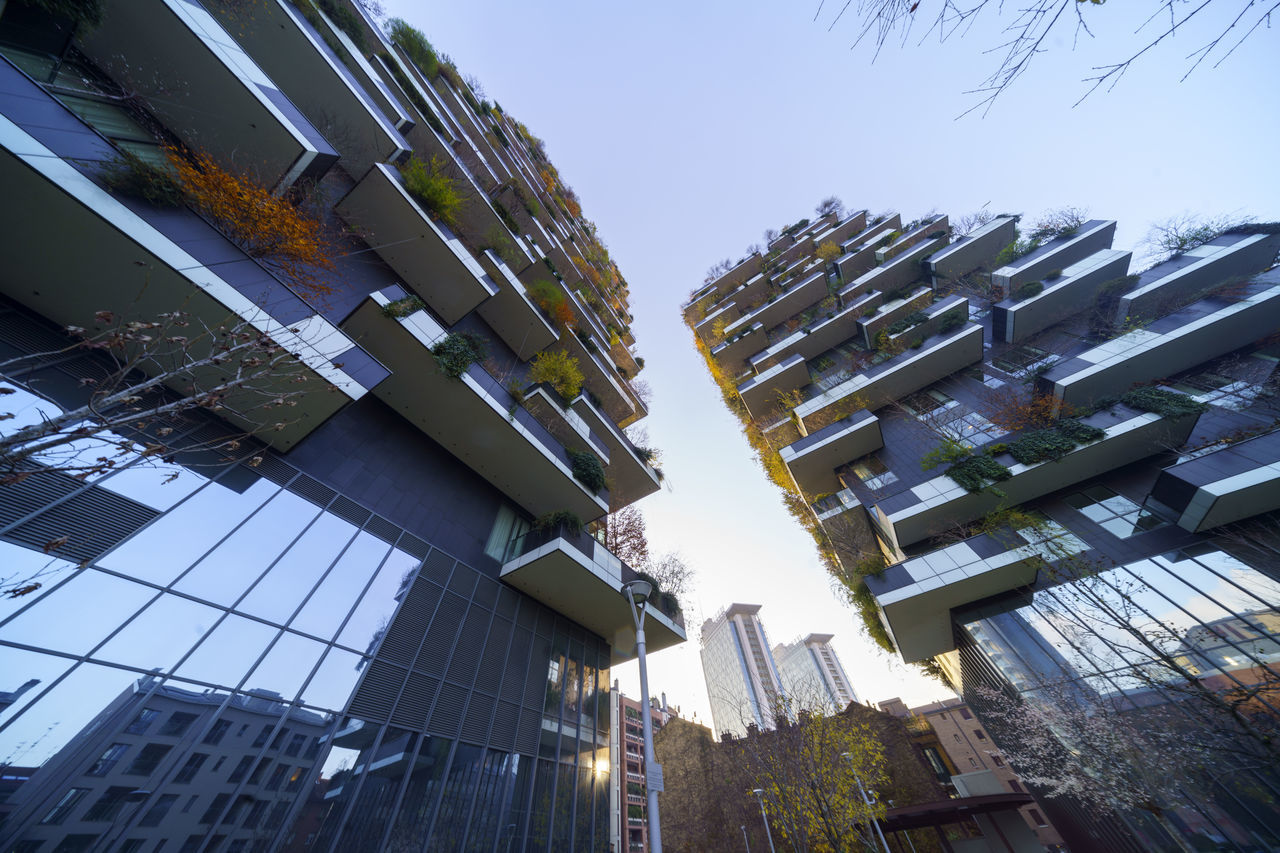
x: 915, y: 236
x: 1228, y: 485
x: 792, y: 301
x: 813, y: 459
x: 913, y: 300
x: 1075, y: 289
x: 576, y: 576
x: 1225, y: 258
x: 973, y: 250
x: 760, y: 392
x: 1059, y: 253
x: 428, y: 257
x: 950, y: 311
x: 630, y: 474
x: 860, y: 252
x: 940, y: 503
x: 808, y: 343
x: 916, y: 596
x: 472, y: 416
x: 297, y: 59
x: 145, y: 262
x: 602, y: 379
x: 900, y: 272
x: 226, y: 105
x: 899, y: 376
x: 1201, y: 331
x: 512, y: 314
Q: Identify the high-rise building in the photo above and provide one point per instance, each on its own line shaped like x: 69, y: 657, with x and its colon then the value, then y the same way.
x: 1050, y: 481
x: 315, y: 387
x: 630, y: 781
x: 743, y: 686
x: 810, y: 671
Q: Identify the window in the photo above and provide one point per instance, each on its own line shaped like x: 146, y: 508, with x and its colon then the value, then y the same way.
x: 192, y: 844
x: 259, y: 770
x: 957, y: 737
x: 873, y: 473
x: 999, y: 762
x: 295, y: 744
x: 1115, y: 513
x: 973, y: 762
x: 979, y: 734
x: 177, y: 724
x: 279, y: 738
x: 295, y: 781
x: 215, y: 808
x: 241, y: 769
x: 966, y: 714
x: 277, y: 777
x: 256, y: 811
x: 1017, y: 786
x: 217, y: 765
x: 191, y: 803
x: 1037, y: 817
x: 215, y: 735
x: 103, y: 765
x: 261, y: 739
x: 505, y: 537
x: 142, y: 722
x: 191, y: 768
x: 1021, y: 360
x: 157, y: 812
x: 148, y: 759
x: 109, y: 804
x: 133, y: 845
x: 60, y: 811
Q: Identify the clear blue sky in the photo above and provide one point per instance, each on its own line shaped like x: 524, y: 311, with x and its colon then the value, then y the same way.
x: 689, y: 128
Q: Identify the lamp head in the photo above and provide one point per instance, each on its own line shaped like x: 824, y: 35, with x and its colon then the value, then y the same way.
x: 638, y: 591
x: 757, y: 791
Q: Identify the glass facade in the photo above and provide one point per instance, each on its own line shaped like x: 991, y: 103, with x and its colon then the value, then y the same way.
x: 1161, y: 679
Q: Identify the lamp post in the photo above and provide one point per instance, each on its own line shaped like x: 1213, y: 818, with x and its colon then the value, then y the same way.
x: 759, y: 792
x: 637, y: 594
x: 744, y: 837
x: 866, y: 799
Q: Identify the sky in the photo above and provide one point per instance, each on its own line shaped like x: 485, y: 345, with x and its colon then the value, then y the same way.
x: 687, y: 129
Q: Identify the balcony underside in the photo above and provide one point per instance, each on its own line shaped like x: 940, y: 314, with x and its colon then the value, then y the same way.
x: 630, y: 477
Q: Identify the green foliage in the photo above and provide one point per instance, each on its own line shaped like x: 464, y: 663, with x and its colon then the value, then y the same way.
x: 997, y: 448
x: 559, y: 370
x: 1167, y: 404
x: 587, y: 469
x: 346, y: 20
x: 977, y: 472
x: 1081, y: 433
x: 428, y: 182
x: 415, y: 45
x: 87, y: 12
x: 1017, y: 249
x: 500, y: 134
x: 911, y: 320
x: 457, y: 352
x: 860, y: 596
x: 948, y: 451
x: 411, y: 92
x: 403, y: 307
x: 1028, y: 290
x: 1052, y: 274
x: 951, y: 321
x: 1054, y: 442
x: 557, y: 519
x: 498, y: 240
x: 130, y: 175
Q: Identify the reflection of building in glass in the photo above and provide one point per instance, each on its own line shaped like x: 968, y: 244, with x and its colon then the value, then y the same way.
x: 1089, y: 554
x: 629, y: 787
x: 353, y: 529
x: 810, y: 671
x: 742, y: 679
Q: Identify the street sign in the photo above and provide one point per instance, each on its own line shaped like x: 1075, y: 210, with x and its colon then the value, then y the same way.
x: 653, y: 777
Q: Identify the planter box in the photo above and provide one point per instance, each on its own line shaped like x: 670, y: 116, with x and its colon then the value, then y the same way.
x: 1076, y: 290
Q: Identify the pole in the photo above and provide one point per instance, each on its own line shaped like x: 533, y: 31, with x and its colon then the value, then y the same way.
x: 764, y: 817
x: 744, y: 837
x: 848, y: 756
x: 655, y: 831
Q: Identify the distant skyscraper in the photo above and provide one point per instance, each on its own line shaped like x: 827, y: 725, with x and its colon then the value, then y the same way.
x: 811, y: 672
x: 742, y: 678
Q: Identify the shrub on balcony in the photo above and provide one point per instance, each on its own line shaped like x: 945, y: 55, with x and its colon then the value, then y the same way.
x: 402, y: 308
x: 415, y: 46
x: 87, y: 12
x: 130, y: 175
x: 1167, y: 404
x: 1054, y: 442
x: 559, y: 370
x: 457, y: 352
x: 975, y: 473
x: 1028, y: 290
x: 429, y: 183
x: 561, y: 518
x: 951, y: 321
x: 587, y: 469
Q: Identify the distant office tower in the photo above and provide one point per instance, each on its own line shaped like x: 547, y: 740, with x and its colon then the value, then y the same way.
x: 742, y: 678
x: 811, y: 673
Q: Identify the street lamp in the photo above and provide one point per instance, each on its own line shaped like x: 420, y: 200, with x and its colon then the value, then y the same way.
x: 759, y: 792
x: 637, y: 594
x: 866, y: 798
x: 744, y: 837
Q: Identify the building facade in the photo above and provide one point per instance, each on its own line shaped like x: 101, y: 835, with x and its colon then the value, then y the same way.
x: 1048, y: 480
x: 743, y: 686
x: 630, y: 777
x: 322, y: 575
x: 811, y: 672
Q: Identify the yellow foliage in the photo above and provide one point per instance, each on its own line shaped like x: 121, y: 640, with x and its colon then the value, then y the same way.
x: 559, y: 370
x: 828, y: 251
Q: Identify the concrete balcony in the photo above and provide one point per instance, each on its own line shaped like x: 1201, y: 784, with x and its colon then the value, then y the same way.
x: 795, y: 299
x: 631, y: 477
x: 428, y: 257
x: 913, y: 301
x: 808, y: 343
x: 813, y: 459
x: 1194, y: 335
x: 839, y: 232
x: 146, y: 262
x: 565, y: 425
x: 512, y: 314
x: 1231, y: 256
x: 1075, y: 290
x: 860, y: 252
x: 1059, y: 253
x: 760, y: 392
x: 953, y: 306
x: 973, y: 250
x: 298, y: 60
x: 575, y: 575
x: 914, y: 237
x: 940, y: 503
x: 376, y: 79
x: 1228, y: 485
x: 602, y: 379
x: 737, y: 274
x: 226, y: 105
x: 901, y: 375
x: 473, y: 416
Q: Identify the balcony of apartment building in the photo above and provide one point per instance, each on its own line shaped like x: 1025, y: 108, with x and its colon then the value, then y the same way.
x: 512, y: 313
x: 472, y: 415
x: 1230, y: 484
x: 973, y: 249
x: 930, y: 230
x: 736, y: 275
x: 929, y: 507
x: 629, y: 468
x: 790, y: 298
x: 601, y: 378
x: 428, y: 256
x: 227, y: 105
x: 860, y: 251
x: 1224, y: 259
x: 813, y: 460
x: 895, y: 306
x: 1035, y: 306
x: 568, y: 570
x: 1058, y: 253
x: 370, y: 73
x: 1192, y: 335
x: 839, y: 231
x: 294, y: 50
x: 142, y: 256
